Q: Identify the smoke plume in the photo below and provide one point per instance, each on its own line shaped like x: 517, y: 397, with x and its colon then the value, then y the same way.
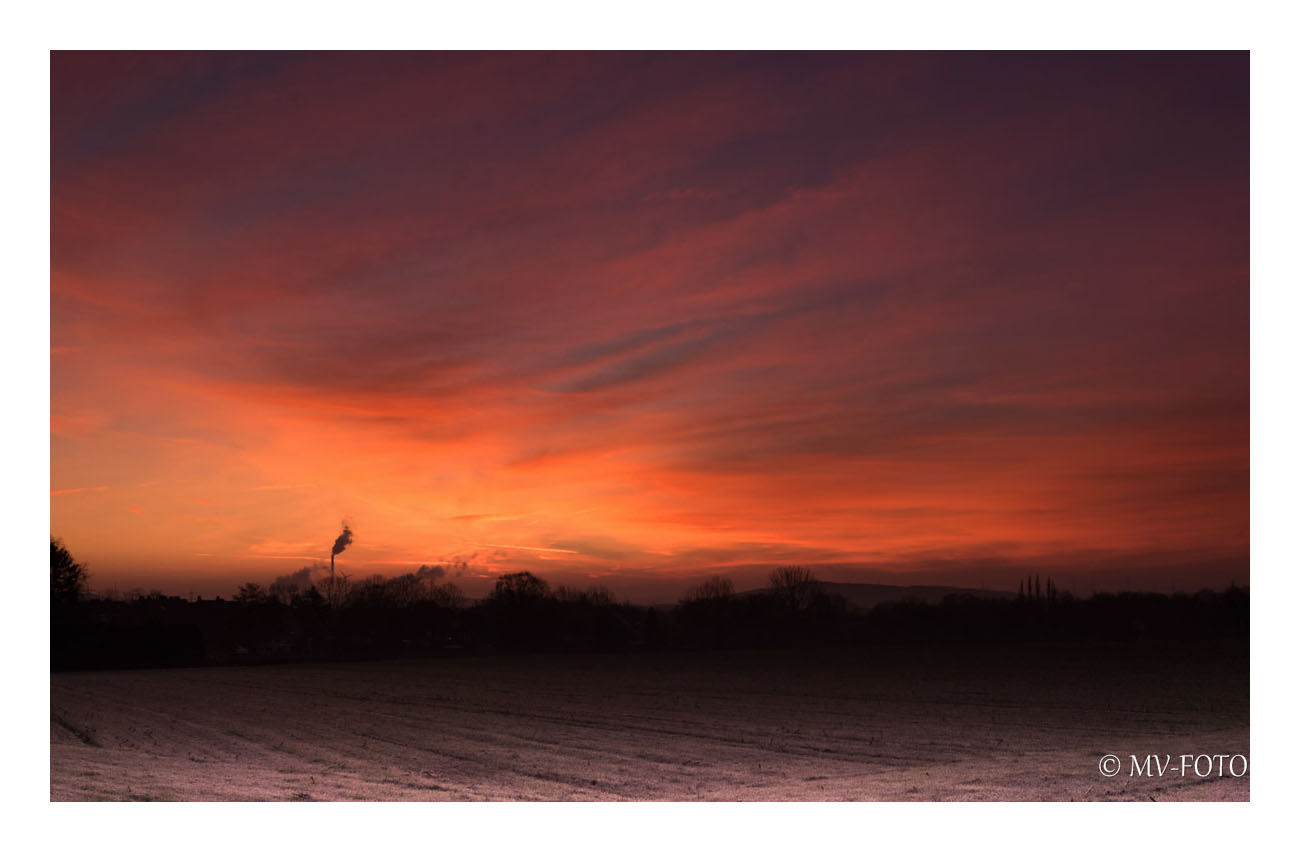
x: 431, y: 572
x: 341, y: 543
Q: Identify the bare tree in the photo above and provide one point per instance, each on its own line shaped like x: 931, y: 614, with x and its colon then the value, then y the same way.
x: 448, y: 595
x: 520, y: 587
x: 335, y: 589
x: 592, y: 596
x: 794, y: 585
x: 250, y: 594
x: 713, y: 589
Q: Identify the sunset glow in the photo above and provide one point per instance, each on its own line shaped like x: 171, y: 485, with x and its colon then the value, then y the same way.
x: 637, y: 319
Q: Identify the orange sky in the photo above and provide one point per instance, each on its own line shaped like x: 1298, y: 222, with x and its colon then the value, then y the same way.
x: 635, y: 319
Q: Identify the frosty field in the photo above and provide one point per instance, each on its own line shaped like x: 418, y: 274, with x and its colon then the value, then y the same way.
x: 931, y: 723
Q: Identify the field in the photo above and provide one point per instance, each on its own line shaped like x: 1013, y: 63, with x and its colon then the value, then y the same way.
x: 991, y: 722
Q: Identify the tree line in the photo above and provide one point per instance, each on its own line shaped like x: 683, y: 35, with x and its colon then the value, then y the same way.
x: 423, y: 614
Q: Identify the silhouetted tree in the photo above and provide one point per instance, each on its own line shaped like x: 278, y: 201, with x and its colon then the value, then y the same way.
x: 67, y: 575
x: 713, y: 589
x: 520, y: 587
x: 795, y: 587
x: 592, y: 596
x: 335, y: 588
x: 311, y: 599
x: 285, y: 589
x: 249, y: 594
x: 448, y: 595
x: 372, y: 591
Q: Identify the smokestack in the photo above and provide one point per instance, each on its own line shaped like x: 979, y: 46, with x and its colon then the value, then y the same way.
x: 340, y: 544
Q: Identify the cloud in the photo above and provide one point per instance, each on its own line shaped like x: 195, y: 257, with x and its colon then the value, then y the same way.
x: 63, y: 491
x: 646, y: 311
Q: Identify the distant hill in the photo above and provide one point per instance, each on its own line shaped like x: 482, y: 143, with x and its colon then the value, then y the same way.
x: 867, y: 595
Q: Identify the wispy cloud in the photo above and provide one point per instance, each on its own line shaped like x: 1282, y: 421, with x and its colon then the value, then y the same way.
x: 715, y: 309
x: 524, y: 547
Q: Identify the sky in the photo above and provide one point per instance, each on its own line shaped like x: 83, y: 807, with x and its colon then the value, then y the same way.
x: 636, y: 319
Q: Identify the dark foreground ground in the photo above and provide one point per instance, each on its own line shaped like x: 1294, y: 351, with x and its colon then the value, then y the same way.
x: 987, y: 722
